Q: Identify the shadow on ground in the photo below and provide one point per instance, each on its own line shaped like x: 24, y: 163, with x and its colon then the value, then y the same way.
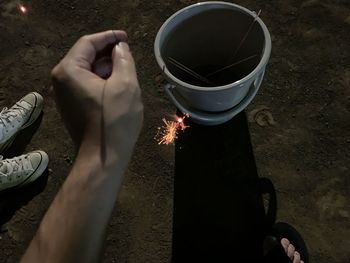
x: 219, y: 213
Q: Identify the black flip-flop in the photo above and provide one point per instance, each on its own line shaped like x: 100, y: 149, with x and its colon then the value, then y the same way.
x: 277, y: 254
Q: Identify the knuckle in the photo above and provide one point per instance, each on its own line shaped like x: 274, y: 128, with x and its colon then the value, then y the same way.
x: 84, y: 38
x: 128, y: 82
x: 56, y: 72
x: 60, y: 73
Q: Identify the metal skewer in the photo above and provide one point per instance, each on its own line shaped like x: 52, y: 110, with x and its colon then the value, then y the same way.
x: 229, y: 66
x: 239, y: 46
x: 246, y: 34
x: 204, y: 79
x: 189, y: 71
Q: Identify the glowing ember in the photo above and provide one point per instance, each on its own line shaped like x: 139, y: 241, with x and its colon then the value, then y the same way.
x: 22, y: 8
x: 168, y: 133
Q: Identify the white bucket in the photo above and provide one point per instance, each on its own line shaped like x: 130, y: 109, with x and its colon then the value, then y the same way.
x: 206, y: 37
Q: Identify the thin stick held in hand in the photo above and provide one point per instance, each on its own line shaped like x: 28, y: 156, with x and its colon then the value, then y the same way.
x: 189, y: 71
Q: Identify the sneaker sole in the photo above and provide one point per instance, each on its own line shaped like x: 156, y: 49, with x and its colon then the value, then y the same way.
x: 43, y: 164
x: 35, y: 175
x: 32, y: 118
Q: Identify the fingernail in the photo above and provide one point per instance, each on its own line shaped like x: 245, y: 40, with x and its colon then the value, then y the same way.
x: 119, y: 49
x: 124, y: 46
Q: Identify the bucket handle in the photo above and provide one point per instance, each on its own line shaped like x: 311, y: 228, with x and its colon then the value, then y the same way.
x: 202, y: 118
x: 214, y: 118
x: 168, y: 90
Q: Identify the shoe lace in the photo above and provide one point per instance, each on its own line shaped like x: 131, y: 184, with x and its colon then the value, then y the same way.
x: 7, y: 115
x: 16, y: 166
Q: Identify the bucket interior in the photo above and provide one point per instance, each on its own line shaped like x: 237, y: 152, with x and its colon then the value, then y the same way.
x: 209, y: 41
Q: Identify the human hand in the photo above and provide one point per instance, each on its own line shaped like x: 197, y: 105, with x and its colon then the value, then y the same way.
x: 98, y: 94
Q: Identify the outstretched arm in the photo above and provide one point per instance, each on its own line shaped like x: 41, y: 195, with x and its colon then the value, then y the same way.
x: 104, y: 118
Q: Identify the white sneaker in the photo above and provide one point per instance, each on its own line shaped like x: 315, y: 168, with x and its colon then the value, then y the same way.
x: 19, y: 116
x: 21, y: 170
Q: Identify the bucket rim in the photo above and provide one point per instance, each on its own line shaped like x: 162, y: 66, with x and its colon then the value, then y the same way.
x: 261, y: 65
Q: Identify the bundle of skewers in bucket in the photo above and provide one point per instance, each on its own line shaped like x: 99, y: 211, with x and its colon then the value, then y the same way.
x: 213, y: 54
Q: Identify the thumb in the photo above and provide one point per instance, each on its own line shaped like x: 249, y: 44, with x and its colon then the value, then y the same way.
x: 123, y: 62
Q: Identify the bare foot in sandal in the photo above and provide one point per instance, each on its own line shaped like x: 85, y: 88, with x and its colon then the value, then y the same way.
x: 290, y: 251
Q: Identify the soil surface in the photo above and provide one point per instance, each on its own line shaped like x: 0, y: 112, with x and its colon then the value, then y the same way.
x: 299, y: 121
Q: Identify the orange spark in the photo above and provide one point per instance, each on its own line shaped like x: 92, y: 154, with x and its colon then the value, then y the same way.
x: 22, y: 8
x: 168, y: 133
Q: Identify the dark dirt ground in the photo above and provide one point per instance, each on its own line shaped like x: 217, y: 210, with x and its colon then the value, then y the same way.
x: 299, y: 121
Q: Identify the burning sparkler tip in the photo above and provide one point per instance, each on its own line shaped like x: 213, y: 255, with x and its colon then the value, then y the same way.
x: 168, y: 133
x: 22, y: 9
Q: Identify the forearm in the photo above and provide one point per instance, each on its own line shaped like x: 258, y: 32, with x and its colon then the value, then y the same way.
x: 73, y: 229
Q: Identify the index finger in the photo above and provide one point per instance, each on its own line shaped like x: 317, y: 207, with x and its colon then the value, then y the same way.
x: 88, y: 46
